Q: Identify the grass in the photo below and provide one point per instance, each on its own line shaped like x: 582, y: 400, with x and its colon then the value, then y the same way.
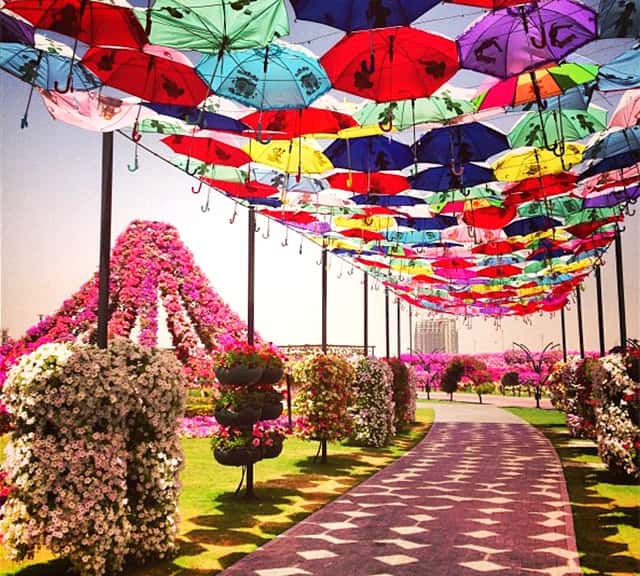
x: 606, y: 509
x: 217, y: 528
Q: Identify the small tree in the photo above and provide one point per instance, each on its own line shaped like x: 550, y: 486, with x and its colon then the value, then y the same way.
x: 510, y: 380
x: 541, y: 366
x: 451, y: 376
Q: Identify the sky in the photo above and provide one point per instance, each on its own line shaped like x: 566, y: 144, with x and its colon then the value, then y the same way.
x: 49, y: 236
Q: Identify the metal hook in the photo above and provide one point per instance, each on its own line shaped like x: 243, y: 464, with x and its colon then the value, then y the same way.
x: 205, y: 207
x: 265, y: 236
x: 235, y: 213
x: 198, y: 190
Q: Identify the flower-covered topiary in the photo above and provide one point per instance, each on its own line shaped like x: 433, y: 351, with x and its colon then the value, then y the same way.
x: 324, y: 394
x: 373, y: 409
x: 403, y: 394
x: 94, y: 457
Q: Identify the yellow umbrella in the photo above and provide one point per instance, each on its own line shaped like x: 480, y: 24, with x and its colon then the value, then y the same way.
x: 534, y: 290
x: 289, y: 156
x: 413, y: 270
x: 535, y: 162
x: 373, y: 223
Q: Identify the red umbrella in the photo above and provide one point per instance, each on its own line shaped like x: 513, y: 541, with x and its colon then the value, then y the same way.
x: 249, y: 189
x: 424, y: 279
x: 490, y: 217
x: 288, y: 216
x: 89, y: 21
x: 389, y: 64
x: 452, y: 262
x: 503, y: 271
x: 287, y: 124
x: 497, y: 248
x: 586, y: 229
x: 366, y: 235
x: 372, y: 263
x: 539, y: 188
x: 374, y: 183
x: 150, y: 77
x: 207, y: 149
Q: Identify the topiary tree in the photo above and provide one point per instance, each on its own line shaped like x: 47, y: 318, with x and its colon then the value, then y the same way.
x: 451, y: 376
x: 509, y: 380
x: 403, y: 396
x: 324, y: 394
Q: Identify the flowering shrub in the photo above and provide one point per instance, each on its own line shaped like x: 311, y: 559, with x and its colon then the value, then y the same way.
x: 557, y: 389
x: 373, y: 409
x: 94, y: 457
x: 617, y: 416
x: 403, y: 394
x: 324, y: 394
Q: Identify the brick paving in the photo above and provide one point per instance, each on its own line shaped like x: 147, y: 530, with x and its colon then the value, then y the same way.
x: 483, y: 493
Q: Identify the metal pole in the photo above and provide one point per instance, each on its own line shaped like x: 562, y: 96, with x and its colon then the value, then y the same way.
x: 620, y: 278
x: 564, y: 335
x: 366, y: 314
x: 251, y: 272
x: 411, y: 329
x: 398, y: 314
x: 580, y: 330
x: 105, y: 238
x: 386, y: 315
x: 600, y: 311
x: 324, y: 298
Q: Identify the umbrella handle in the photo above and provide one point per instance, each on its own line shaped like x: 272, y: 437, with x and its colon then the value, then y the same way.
x: 265, y: 236
x: 259, y: 138
x: 198, y: 190
x: 68, y: 86
x: 186, y: 168
x: 350, y: 272
x: 455, y: 170
x: 235, y: 213
x: 205, y: 208
x: 386, y: 127
x: 136, y: 136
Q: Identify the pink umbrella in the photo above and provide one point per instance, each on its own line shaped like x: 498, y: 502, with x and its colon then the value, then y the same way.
x: 600, y: 182
x: 464, y: 235
x: 455, y: 273
x: 627, y: 112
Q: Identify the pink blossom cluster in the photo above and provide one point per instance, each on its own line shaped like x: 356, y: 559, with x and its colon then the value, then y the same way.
x: 207, y: 426
x: 149, y: 264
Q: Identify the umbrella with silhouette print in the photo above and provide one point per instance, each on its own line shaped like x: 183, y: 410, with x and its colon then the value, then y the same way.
x: 619, y: 19
x: 369, y: 154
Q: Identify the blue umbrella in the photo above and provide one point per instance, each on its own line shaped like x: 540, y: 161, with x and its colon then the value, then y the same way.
x: 386, y: 200
x: 613, y: 198
x: 203, y: 119
x: 349, y: 15
x: 13, y: 30
x: 530, y: 225
x: 618, y: 19
x: 617, y: 162
x: 548, y: 254
x: 269, y: 78
x: 369, y: 154
x: 577, y: 98
x: 622, y: 72
x: 617, y: 150
x: 422, y: 237
x: 442, y: 178
x: 460, y: 144
x: 435, y: 223
x: 45, y: 67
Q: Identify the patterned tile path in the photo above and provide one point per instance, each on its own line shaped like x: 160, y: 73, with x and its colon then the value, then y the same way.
x: 484, y: 493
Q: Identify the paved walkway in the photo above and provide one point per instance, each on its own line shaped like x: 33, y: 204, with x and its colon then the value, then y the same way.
x: 484, y: 493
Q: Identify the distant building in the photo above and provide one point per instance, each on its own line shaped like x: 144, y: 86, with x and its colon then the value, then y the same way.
x: 436, y: 335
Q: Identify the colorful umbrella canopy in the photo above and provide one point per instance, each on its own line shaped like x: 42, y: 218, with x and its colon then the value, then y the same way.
x: 619, y: 19
x: 274, y: 77
x: 536, y: 85
x: 554, y: 127
x: 403, y: 114
x: 211, y: 27
x: 147, y: 76
x: 287, y: 124
x: 511, y: 40
x: 369, y: 154
x: 391, y: 63
x: 207, y: 150
x: 350, y: 15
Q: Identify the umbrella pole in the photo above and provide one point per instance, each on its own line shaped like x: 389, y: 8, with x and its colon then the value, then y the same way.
x: 386, y: 314
x: 410, y: 329
x: 366, y: 314
x: 105, y: 238
x: 580, y: 330
x: 600, y: 311
x: 398, y: 314
x: 620, y: 279
x: 323, y: 442
x: 251, y: 272
x: 564, y: 335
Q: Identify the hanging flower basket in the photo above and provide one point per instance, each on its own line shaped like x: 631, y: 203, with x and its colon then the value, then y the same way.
x: 238, y: 455
x: 271, y: 410
x: 238, y: 375
x: 272, y: 375
x: 274, y: 450
x: 244, y: 417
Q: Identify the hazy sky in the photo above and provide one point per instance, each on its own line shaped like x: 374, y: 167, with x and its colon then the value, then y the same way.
x: 49, y: 218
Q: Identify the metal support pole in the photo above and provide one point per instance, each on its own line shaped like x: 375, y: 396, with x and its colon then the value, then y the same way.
x: 324, y: 298
x: 366, y: 314
x: 580, y: 330
x: 105, y: 239
x: 398, y: 314
x: 251, y: 272
x: 564, y: 335
x: 600, y: 311
x: 386, y: 315
x: 622, y: 313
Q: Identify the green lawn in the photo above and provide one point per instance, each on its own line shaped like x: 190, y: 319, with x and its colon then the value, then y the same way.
x: 606, y: 509
x: 217, y: 528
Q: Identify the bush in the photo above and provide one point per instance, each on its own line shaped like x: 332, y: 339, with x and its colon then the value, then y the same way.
x: 451, y: 376
x: 373, y: 410
x: 94, y: 458
x: 510, y: 380
x: 403, y: 395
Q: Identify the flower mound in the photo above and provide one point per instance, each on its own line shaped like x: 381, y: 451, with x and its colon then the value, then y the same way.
x: 93, y: 461
x: 324, y: 395
x: 404, y: 393
x: 373, y: 411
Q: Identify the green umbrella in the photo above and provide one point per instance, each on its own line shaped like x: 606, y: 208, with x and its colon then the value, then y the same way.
x: 163, y: 127
x: 403, y: 114
x: 561, y: 207
x: 438, y: 201
x: 593, y: 215
x: 213, y: 171
x: 214, y: 26
x: 559, y: 125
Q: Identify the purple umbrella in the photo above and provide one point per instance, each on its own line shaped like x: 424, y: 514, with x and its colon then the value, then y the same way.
x: 509, y: 41
x: 613, y: 198
x: 13, y: 30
